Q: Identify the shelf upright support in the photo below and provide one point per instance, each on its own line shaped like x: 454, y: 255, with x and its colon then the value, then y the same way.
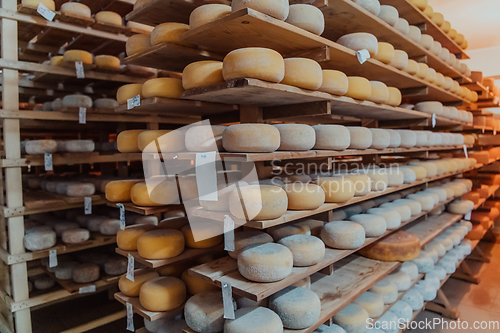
x: 13, y: 181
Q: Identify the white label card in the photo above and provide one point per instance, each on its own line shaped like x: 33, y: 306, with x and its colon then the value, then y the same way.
x: 363, y: 55
x: 52, y: 258
x: 82, y: 116
x: 88, y: 205
x: 227, y: 299
x: 494, y: 131
x: 228, y: 233
x: 434, y: 120
x: 130, y: 318
x: 130, y: 267
x: 468, y: 216
x: 87, y: 290
x: 48, y: 162
x: 134, y: 102
x: 80, y: 72
x: 206, y: 176
x: 465, y: 151
x: 122, y: 216
x: 45, y: 12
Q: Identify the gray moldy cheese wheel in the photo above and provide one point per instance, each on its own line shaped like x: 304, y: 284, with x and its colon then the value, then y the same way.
x: 78, y: 101
x: 105, y: 103
x: 276, y: 8
x: 280, y: 232
x: 361, y: 137
x: 86, y: 273
x: 254, y: 320
x: 359, y: 41
x: 251, y: 138
x: 63, y: 226
x: 109, y: 227
x: 204, y: 312
x: 258, y: 202
x: 297, y: 307
x: 43, y: 282
x: 296, y: 137
x: 64, y: 270
x: 204, y: 138
x: 75, y: 236
x: 307, y: 17
x: 248, y: 238
x: 116, y: 266
x: 265, y: 263
x: 79, y: 146
x: 306, y: 250
x: 39, y: 240
x: 80, y: 189
x: 374, y: 225
x: 334, y: 137
x: 343, y: 235
x: 41, y: 147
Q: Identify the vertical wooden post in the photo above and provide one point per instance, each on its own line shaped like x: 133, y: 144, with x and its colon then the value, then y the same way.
x: 13, y: 182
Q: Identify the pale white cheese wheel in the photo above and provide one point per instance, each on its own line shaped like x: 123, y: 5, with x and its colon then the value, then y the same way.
x: 381, y: 138
x: 251, y: 138
x: 374, y: 225
x: 461, y: 207
x: 254, y: 62
x: 203, y: 138
x: 444, y: 54
x: 415, y: 33
x: 414, y: 205
x: 426, y: 201
x: 252, y: 320
x: 439, y: 80
x: 334, y: 137
x: 337, y: 188
x: 307, y: 17
x: 204, y: 312
x: 379, y: 179
x: 298, y: 308
x: 79, y: 146
x: 362, y: 184
x: 276, y: 8
x: 395, y: 177
x: 412, y: 67
x: 109, y: 227
x: 436, y: 48
x: 425, y: 264
x: 248, y: 238
x: 408, y: 138
x: 60, y: 227
x: 303, y: 73
x: 343, y: 235
x: 360, y: 40
x: 414, y: 299
x: 402, y: 310
x: 431, y: 75
x: 379, y: 92
x: 265, y: 263
x: 39, y: 240
x: 50, y: 4
x: 400, y: 60
x: 334, y: 82
x: 395, y: 138
x: 427, y: 41
x: 387, y: 289
x: 105, y: 103
x: 352, y: 318
x: 385, y: 53
x: 409, y: 268
x: 441, y: 193
x: 448, y: 83
x: 296, y: 137
x: 80, y: 189
x: 207, y: 14
x: 77, y: 101
x: 372, y: 303
x: 373, y: 6
x: 391, y: 216
x: 307, y: 250
x: 389, y: 14
x: 401, y: 279
x: 403, y: 26
x: 76, y: 9
x: 361, y: 137
x: 402, y: 209
x: 75, y: 236
x: 423, y: 70
x: 41, y: 146
x: 421, y: 138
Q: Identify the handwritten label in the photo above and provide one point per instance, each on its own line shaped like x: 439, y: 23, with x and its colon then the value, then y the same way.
x: 468, y: 216
x: 122, y: 216
x: 228, y: 233
x: 130, y: 267
x: 80, y: 72
x: 227, y: 299
x: 434, y: 120
x: 206, y: 176
x: 363, y: 55
x: 87, y: 289
x: 52, y: 258
x: 134, y: 102
x: 48, y: 162
x: 130, y: 317
x: 45, y: 12
x: 465, y: 151
x: 88, y: 205
x: 82, y: 116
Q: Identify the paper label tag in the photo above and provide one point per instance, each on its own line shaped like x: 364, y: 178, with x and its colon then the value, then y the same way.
x: 227, y: 299
x: 468, y: 216
x: 206, y: 176
x: 45, y: 12
x: 87, y: 290
x: 494, y: 131
x: 130, y: 318
x: 48, y: 162
x: 52, y: 258
x: 82, y: 116
x: 80, y: 73
x: 122, y: 216
x: 363, y: 55
x: 88, y: 205
x: 130, y: 268
x: 434, y: 120
x: 483, y: 129
x: 228, y: 233
x: 465, y: 151
x: 134, y: 102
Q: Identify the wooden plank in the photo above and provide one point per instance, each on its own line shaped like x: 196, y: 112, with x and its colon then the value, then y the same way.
x: 149, y: 315
x: 429, y: 229
x: 112, y: 28
x: 159, y: 11
x: 76, y: 20
x: 72, y: 286
x: 98, y: 322
x: 129, y: 206
x: 96, y: 45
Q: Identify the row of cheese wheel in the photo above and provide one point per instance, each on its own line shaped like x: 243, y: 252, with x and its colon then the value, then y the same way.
x: 53, y: 146
x: 437, y: 108
x: 72, y: 56
x: 264, y: 138
x: 77, y: 101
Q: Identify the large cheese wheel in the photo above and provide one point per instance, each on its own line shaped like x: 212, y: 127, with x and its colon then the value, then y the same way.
x: 352, y: 318
x: 204, y: 236
x: 148, y: 136
x: 160, y: 244
x: 258, y: 202
x: 360, y: 40
x: 373, y: 6
x: 169, y: 32
x: 461, y: 207
x: 57, y: 61
x: 415, y: 206
x: 119, y: 191
x: 400, y: 59
x: 108, y: 17
x: 415, y: 33
x: 162, y: 293
x: 76, y: 9
x: 381, y: 138
x: 362, y: 184
x: 358, y: 88
x: 132, y: 288
x: 204, y: 312
x: 207, y: 13
x: 248, y: 238
x: 387, y: 289
x: 304, y: 196
x: 39, y: 240
x: 337, y: 188
x: 361, y: 137
x: 276, y: 8
x: 162, y: 87
x: 426, y: 201
x: 297, y: 307
x: 389, y: 14
x: 424, y: 263
x: 251, y: 138
x: 164, y: 192
x: 254, y: 62
x: 307, y: 17
x: 128, y: 91
x: 265, y: 263
x: 373, y: 303
x: 374, y: 225
x: 50, y: 4
x: 306, y: 250
x: 303, y: 73
x: 334, y: 82
x: 379, y: 92
x: 78, y: 55
x: 403, y: 26
x: 202, y: 73
x: 254, y: 319
x: 391, y: 216
x: 127, y: 239
x: 334, y: 137
x: 395, y: 97
x: 399, y: 246
x: 137, y: 43
x: 296, y: 137
x: 343, y: 235
x: 385, y: 53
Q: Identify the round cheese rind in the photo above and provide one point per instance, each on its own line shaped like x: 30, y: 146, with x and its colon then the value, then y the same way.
x: 204, y: 312
x: 162, y: 87
x: 461, y: 207
x: 415, y: 206
x: 105, y: 103
x: 296, y: 137
x: 415, y: 33
x: 43, y: 282
x: 39, y: 240
x: 132, y: 288
x: 109, y: 227
x: 276, y: 8
x: 86, y: 273
x: 127, y: 239
x: 412, y: 67
x: 207, y: 14
x: 402, y: 310
x: 358, y: 88
x: 77, y: 101
x: 162, y: 293
x: 410, y: 269
x: 438, y: 18
x: 408, y: 138
x: 379, y: 92
x: 352, y: 318
x: 254, y: 320
x: 116, y: 266
x: 196, y: 285
x: 381, y: 138
x: 337, y: 188
x: 359, y: 41
x: 76, y: 9
x: 303, y: 73
x: 400, y: 60
x: 401, y: 280
x: 41, y: 146
x: 297, y: 307
x: 204, y: 236
x: 161, y: 192
x: 373, y: 6
x: 361, y: 137
x: 335, y: 137
x: 403, y: 210
x: 395, y: 138
x: 423, y: 70
x: 387, y: 289
x: 372, y: 303
x: 399, y: 246
x: 251, y: 138
x: 108, y: 18
x: 160, y: 244
x: 204, y: 138
x: 279, y: 233
x: 425, y: 264
x: 395, y: 97
x: 265, y: 263
x: 391, y: 216
x: 403, y: 26
x: 202, y: 73
x: 427, y: 41
x: 334, y: 82
x: 169, y: 32
x: 78, y: 56
x: 374, y: 225
x: 137, y: 43
x: 75, y: 236
x: 254, y: 62
x: 248, y: 238
x: 128, y: 91
x: 385, y: 53
x: 343, y: 235
x: 307, y: 17
x: 306, y: 250
x: 362, y: 184
x: 261, y: 202
x: 50, y: 4
x: 79, y: 146
x: 303, y: 196
x: 389, y: 14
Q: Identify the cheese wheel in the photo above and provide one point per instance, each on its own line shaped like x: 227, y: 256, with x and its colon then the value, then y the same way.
x: 430, y: 168
x: 76, y: 9
x: 387, y: 289
x: 414, y: 33
x: 50, y: 4
x: 116, y: 266
x: 254, y: 320
x: 205, y: 237
x: 108, y: 17
x: 438, y: 19
x: 431, y: 75
x: 410, y: 269
x: 400, y: 60
x: 408, y: 138
x: 424, y: 263
x: 207, y: 14
x: 296, y: 137
x: 374, y: 225
x: 254, y: 62
x: 361, y: 137
x: 86, y: 273
x: 128, y: 91
x: 161, y: 192
x: 334, y: 137
x: 391, y: 216
x: 379, y: 179
x: 373, y: 6
x: 362, y: 184
x: 395, y: 138
x: 169, y: 32
x: 395, y: 97
x: 315, y: 226
x: 427, y: 41
x: 39, y: 240
x: 373, y: 303
x: 298, y: 308
x: 444, y: 55
x: 276, y: 8
x: 448, y: 83
x: 358, y: 88
x: 79, y: 146
x: 334, y: 82
x: 75, y: 236
x: 461, y: 207
x: 265, y: 263
x: 306, y: 250
x: 352, y: 318
x: 415, y: 206
x: 204, y: 312
x: 343, y: 235
x: 403, y: 26
x: 389, y: 14
x: 304, y: 196
x: 196, y: 285
x: 172, y: 142
x: 127, y: 239
x: 78, y: 55
x: 137, y: 43
x: 439, y: 81
x: 394, y: 175
x: 248, y: 238
x: 307, y: 17
x: 359, y: 41
x: 109, y: 227
x: 402, y: 310
x: 381, y: 138
x: 132, y: 288
x: 402, y: 209
x: 423, y: 69
x: 119, y: 191
x: 436, y: 48
x: 251, y: 138
x: 160, y: 244
x: 379, y: 92
x: 162, y: 293
x: 57, y: 61
x: 260, y: 202
x: 426, y: 201
x: 412, y: 67
x: 77, y: 101
x: 60, y: 227
x: 202, y: 73
x: 401, y: 280
x: 385, y: 53
x: 203, y: 138
x: 163, y: 87
x: 41, y: 147
x: 452, y: 33
x: 337, y: 188
x: 399, y: 246
x: 420, y: 4
x: 464, y: 46
x: 289, y: 230
x: 303, y: 73
x: 64, y: 270
x: 446, y: 27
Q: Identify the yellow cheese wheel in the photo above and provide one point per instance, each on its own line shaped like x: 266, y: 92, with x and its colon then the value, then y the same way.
x: 360, y: 40
x: 452, y: 33
x: 380, y: 92
x: 108, y: 18
x: 421, y: 4
x: 429, y: 12
x: 140, y: 28
x: 438, y: 18
x: 281, y: 232
x: 163, y: 87
x: 448, y: 83
x: 167, y: 141
x: 423, y: 69
x: 464, y: 45
x: 359, y: 88
x: 174, y: 269
x: 460, y: 38
x: 276, y: 8
x: 337, y: 188
x: 399, y: 246
x: 400, y: 60
x: 208, y: 13
x: 203, y: 231
x: 128, y: 91
x: 76, y: 9
x: 127, y: 239
x: 119, y: 190
x: 264, y: 202
x: 251, y: 138
x: 307, y: 17
x: 302, y: 196
x: 202, y: 73
x: 137, y: 43
x: 146, y: 137
x: 164, y: 193
x: 50, y: 4
x: 57, y: 60
x: 78, y: 55
x: 132, y: 288
x: 163, y: 293
x: 169, y: 32
x: 446, y: 26
x: 431, y: 75
x: 412, y: 67
x: 160, y: 244
x: 196, y: 285
x: 127, y: 141
x: 303, y: 73
x: 385, y: 53
x: 334, y: 82
x: 395, y: 97
x: 254, y: 62
x: 107, y: 62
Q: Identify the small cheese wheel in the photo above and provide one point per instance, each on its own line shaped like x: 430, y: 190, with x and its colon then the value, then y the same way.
x: 108, y: 18
x: 204, y: 138
x: 260, y: 202
x: 415, y: 206
x: 76, y: 9
x: 395, y: 97
x: 251, y: 138
x: 430, y: 168
x: 162, y: 87
x: 408, y: 138
x: 169, y: 32
x: 352, y: 318
x: 358, y: 88
x: 374, y: 225
x: 276, y: 8
x: 464, y: 46
x: 400, y: 60
x: 421, y: 4
x: 251, y: 319
x: 127, y: 239
x: 248, y: 238
x: 306, y: 250
x: 307, y: 17
x: 137, y: 43
x: 207, y: 14
x: 387, y: 289
x: 414, y: 299
x: 296, y: 137
x: 379, y: 92
x: 298, y: 308
x: 50, y: 4
x: 78, y: 55
x: 39, y: 240
x: 373, y: 6
x: 116, y: 266
x: 431, y: 75
x: 452, y: 33
x: 361, y: 137
x: 395, y: 138
x: 60, y: 227
x: 360, y: 40
x: 403, y: 26
x: 132, y: 288
x: 128, y: 91
x: 164, y: 192
x: 385, y: 53
x: 444, y: 54
x: 64, y: 270
x: 461, y: 207
x: 148, y: 136
x: 254, y: 62
x: 334, y: 82
x: 337, y: 188
x: 334, y: 137
x: 289, y: 230
x: 423, y: 69
x: 41, y: 146
x: 448, y: 83
x: 373, y: 303
x: 205, y: 237
x: 402, y: 209
x: 303, y: 73
x: 304, y: 196
x: 410, y: 269
x: 204, y: 312
x: 43, y: 282
x: 77, y: 101
x: 109, y: 227
x: 412, y: 67
x: 79, y: 146
x: 57, y: 61
x: 427, y: 41
x: 265, y: 263
x: 343, y: 235
x: 162, y: 293
x: 160, y: 244
x: 381, y: 138
x: 438, y: 19
x: 196, y: 285
x: 362, y: 184
x: 415, y: 33
x: 202, y: 73
x: 389, y: 14
x: 399, y: 246
x: 75, y: 236
x: 402, y: 310
x: 391, y: 216
x: 119, y: 191
x: 436, y: 48
x: 424, y: 263
x: 426, y: 201
x: 446, y: 27
x: 86, y: 273
x: 439, y: 80
x: 401, y: 280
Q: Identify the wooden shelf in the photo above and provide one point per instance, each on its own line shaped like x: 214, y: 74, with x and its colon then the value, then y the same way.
x: 492, y: 189
x: 149, y: 315
x: 415, y: 16
x: 73, y: 286
x: 159, y: 11
x: 129, y: 206
x: 72, y: 159
x: 429, y: 229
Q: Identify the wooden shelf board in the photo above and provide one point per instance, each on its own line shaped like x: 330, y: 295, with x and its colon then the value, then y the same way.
x: 129, y: 206
x: 72, y: 286
x: 160, y: 11
x: 76, y: 20
x: 149, y: 315
x: 112, y: 28
x: 73, y: 159
x: 492, y: 191
x: 429, y: 229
